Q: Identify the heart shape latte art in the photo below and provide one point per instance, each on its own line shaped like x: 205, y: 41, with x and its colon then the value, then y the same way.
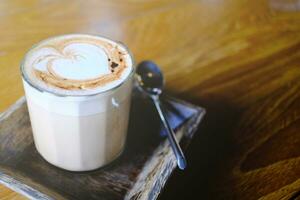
x: 80, y: 62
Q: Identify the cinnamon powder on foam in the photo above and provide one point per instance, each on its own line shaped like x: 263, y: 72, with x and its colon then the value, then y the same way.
x: 116, y: 59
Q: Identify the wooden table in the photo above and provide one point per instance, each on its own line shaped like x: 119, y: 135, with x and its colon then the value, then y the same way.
x: 239, y: 59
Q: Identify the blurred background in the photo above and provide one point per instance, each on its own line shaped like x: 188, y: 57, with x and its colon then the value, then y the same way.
x: 240, y: 59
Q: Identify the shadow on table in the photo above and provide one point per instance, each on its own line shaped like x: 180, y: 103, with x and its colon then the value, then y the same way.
x: 207, y: 151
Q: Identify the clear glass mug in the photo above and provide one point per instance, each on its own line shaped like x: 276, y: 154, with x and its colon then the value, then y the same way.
x: 79, y: 133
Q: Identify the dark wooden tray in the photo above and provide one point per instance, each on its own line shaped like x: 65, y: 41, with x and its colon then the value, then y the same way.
x: 139, y: 173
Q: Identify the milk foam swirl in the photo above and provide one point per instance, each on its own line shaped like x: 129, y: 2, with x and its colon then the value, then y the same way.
x: 78, y: 64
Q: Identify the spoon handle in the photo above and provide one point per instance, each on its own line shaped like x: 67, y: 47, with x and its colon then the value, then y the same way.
x: 181, y: 161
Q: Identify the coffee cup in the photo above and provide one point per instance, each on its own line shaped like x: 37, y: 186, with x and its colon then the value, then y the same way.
x: 78, y: 90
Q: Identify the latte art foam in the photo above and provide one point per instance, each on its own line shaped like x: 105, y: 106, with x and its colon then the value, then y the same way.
x: 77, y: 64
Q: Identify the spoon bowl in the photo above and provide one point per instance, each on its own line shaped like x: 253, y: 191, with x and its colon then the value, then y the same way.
x: 150, y: 77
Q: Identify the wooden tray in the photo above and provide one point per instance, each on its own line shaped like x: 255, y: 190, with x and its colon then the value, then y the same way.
x: 139, y: 173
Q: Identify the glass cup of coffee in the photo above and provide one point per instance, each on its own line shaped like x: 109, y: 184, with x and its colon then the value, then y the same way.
x: 78, y: 90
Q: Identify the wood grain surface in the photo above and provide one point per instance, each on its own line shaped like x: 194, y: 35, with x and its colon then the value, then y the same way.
x: 238, y: 58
